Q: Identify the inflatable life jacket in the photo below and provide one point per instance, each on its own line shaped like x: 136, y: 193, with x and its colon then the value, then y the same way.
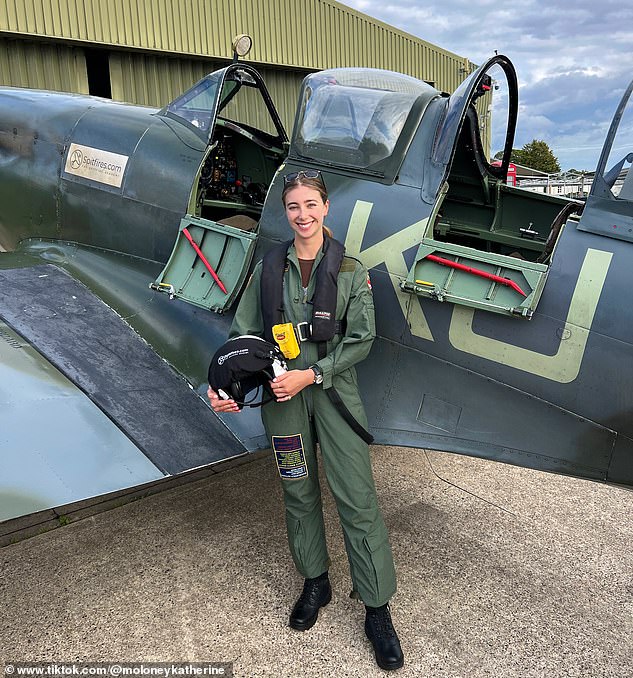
x: 324, y: 324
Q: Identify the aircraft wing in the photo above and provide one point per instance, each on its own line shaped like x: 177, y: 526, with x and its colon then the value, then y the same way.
x: 88, y: 407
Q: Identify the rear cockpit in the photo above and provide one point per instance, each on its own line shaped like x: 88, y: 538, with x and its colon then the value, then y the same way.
x: 359, y: 119
x: 479, y: 210
x: 486, y: 244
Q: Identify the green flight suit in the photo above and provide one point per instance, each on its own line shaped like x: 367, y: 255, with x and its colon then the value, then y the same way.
x: 312, y: 415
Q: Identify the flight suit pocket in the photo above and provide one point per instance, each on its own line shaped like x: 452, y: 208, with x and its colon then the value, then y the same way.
x: 376, y: 543
x: 346, y: 385
x: 296, y: 541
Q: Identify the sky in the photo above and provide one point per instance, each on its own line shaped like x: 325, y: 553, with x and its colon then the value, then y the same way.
x: 572, y: 59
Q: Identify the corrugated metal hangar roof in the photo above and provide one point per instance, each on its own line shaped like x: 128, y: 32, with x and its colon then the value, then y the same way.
x: 148, y: 51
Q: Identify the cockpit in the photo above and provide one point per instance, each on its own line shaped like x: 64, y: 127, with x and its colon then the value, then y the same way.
x: 233, y: 115
x: 355, y: 118
x: 231, y: 111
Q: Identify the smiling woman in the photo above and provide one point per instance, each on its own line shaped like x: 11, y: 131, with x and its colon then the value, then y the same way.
x: 306, y: 206
x: 309, y: 287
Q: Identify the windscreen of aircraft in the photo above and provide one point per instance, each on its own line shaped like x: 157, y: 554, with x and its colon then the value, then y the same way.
x: 240, y: 101
x: 358, y: 113
x: 197, y: 105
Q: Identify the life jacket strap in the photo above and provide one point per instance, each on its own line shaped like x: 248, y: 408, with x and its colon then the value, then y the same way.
x: 337, y: 401
x: 304, y: 330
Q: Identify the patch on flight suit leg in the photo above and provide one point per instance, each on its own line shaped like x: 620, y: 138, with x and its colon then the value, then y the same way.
x: 290, y: 457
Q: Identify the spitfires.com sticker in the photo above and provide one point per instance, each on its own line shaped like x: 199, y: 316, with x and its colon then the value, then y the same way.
x: 93, y: 163
x: 290, y: 457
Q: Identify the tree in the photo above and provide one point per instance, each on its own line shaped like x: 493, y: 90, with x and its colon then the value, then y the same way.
x: 516, y: 156
x: 538, y: 155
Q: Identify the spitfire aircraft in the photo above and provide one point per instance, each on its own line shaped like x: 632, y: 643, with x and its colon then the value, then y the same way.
x: 503, y: 330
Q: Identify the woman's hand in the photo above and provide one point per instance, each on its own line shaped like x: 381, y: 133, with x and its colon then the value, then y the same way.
x: 290, y: 383
x: 219, y: 405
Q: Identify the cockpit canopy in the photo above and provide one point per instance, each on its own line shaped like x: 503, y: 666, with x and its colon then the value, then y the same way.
x: 608, y: 209
x: 236, y: 94
x: 355, y: 117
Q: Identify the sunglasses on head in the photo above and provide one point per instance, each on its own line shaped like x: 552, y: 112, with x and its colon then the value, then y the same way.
x: 302, y: 174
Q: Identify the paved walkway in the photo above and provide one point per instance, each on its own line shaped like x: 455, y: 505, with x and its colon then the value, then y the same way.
x: 503, y: 572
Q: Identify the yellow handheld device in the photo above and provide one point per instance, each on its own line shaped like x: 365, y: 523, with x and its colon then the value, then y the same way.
x: 284, y: 335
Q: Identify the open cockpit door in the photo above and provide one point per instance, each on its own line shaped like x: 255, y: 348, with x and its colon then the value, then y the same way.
x: 486, y: 244
x: 232, y: 111
x: 481, y: 84
x: 209, y: 262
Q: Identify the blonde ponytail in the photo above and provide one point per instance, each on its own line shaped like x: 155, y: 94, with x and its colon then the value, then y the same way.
x: 327, y: 231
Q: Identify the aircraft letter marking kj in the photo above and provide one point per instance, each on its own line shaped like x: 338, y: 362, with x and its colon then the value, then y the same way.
x: 564, y: 365
x: 390, y: 252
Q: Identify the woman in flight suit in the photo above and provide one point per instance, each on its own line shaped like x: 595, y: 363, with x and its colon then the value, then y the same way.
x: 303, y: 414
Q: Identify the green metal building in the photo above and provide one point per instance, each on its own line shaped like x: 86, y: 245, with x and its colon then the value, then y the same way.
x: 149, y: 51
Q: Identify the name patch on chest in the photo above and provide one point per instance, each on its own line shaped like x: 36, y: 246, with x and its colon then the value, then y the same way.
x: 290, y: 456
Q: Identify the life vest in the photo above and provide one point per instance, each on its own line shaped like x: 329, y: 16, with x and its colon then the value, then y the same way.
x: 323, y: 324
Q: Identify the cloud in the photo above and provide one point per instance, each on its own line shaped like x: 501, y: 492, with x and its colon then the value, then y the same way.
x: 572, y: 60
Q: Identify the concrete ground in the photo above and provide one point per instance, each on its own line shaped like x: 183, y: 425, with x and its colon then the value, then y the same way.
x: 502, y: 572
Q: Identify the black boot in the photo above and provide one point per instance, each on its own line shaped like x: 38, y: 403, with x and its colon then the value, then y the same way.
x: 316, y: 594
x: 379, y: 629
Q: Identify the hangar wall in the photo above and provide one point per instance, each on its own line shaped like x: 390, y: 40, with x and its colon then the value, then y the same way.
x: 149, y: 51
x: 43, y: 65
x: 153, y: 80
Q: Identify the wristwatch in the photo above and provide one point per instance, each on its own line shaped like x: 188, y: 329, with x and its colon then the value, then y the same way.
x: 318, y: 374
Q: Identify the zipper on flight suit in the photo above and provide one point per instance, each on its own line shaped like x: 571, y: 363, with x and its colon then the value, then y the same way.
x: 303, y: 358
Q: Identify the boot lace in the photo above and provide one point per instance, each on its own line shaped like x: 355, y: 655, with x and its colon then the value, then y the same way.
x: 310, y: 593
x: 381, y: 623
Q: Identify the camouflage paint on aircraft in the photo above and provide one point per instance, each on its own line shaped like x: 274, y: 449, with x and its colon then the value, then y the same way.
x: 562, y: 367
